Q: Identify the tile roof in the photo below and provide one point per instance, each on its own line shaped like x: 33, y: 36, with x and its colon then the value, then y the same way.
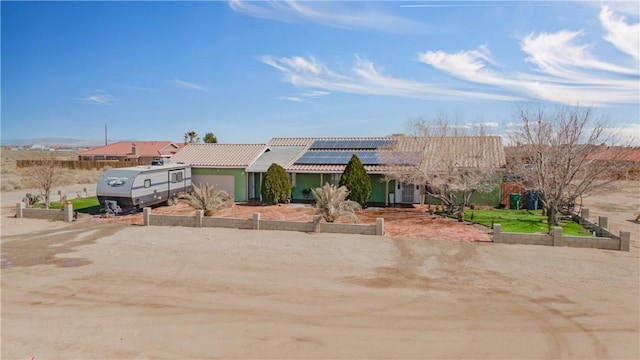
x: 220, y: 155
x: 331, y: 169
x: 281, y: 155
x: 465, y: 151
x: 143, y: 148
x: 617, y: 154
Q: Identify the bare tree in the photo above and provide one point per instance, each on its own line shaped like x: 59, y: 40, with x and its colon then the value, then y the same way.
x: 555, y: 154
x: 43, y: 174
x: 445, y: 162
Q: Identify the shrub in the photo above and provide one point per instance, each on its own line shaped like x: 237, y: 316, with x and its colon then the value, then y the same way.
x: 332, y: 203
x: 207, y: 198
x: 276, y: 186
x: 355, y: 179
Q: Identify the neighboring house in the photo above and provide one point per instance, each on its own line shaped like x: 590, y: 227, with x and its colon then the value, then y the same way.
x: 222, y: 165
x: 133, y: 152
x: 626, y: 161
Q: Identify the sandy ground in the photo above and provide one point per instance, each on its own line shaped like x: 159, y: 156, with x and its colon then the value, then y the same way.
x: 107, y: 290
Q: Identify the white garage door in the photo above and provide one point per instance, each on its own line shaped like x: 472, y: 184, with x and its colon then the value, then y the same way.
x: 222, y: 182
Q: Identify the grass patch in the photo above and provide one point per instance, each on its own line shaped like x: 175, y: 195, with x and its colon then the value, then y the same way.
x: 88, y: 205
x: 521, y: 221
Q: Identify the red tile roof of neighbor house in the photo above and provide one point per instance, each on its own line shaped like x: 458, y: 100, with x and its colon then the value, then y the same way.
x: 220, y: 155
x: 143, y: 148
x: 617, y: 154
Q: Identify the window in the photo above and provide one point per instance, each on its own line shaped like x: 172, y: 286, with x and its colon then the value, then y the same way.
x: 292, y: 179
x: 176, y: 177
x: 147, y: 183
x: 335, y: 179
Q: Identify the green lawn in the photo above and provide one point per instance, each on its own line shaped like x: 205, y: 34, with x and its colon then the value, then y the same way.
x: 521, y: 221
x: 89, y: 205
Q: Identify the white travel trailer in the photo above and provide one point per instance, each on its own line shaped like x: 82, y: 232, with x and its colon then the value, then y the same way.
x: 132, y: 188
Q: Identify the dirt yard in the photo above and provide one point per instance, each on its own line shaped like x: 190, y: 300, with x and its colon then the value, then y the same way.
x: 112, y: 289
x: 412, y: 223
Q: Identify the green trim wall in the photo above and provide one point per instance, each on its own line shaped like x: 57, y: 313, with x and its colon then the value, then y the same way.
x: 239, y: 179
x: 310, y: 181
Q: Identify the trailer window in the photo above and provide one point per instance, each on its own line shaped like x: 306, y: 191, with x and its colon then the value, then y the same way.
x: 147, y: 183
x: 176, y: 177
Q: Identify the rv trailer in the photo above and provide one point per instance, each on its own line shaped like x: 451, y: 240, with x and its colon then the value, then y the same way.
x: 132, y: 188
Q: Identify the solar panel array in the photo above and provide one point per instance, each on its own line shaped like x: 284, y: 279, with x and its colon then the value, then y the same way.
x: 350, y: 144
x: 338, y: 157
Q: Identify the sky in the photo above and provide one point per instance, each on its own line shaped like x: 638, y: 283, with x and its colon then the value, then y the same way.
x: 249, y: 71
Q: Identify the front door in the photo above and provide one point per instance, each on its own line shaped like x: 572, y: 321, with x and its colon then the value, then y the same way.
x: 408, y: 193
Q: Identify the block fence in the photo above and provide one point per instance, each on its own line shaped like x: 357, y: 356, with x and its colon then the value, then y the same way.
x: 64, y: 214
x: 557, y: 239
x: 255, y: 223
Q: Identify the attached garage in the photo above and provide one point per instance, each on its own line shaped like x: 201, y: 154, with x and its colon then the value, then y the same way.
x: 222, y: 182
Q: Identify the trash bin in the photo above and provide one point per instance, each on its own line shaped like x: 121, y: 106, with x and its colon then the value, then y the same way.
x: 532, y: 201
x: 514, y: 201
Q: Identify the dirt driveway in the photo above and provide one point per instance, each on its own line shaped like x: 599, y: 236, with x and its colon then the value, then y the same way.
x: 95, y: 290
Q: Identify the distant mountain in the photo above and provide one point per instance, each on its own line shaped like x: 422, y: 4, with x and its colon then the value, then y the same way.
x: 67, y: 142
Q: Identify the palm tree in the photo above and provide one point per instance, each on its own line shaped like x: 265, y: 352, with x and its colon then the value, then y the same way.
x: 191, y: 137
x: 331, y: 203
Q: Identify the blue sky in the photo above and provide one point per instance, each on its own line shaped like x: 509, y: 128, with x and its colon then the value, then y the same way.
x: 252, y: 70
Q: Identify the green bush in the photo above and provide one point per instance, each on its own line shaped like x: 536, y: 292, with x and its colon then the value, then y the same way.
x: 276, y: 186
x: 355, y: 178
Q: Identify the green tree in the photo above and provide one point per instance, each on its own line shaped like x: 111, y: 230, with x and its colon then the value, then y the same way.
x: 191, y: 137
x: 355, y: 178
x: 276, y: 186
x: 331, y: 203
x: 209, y: 138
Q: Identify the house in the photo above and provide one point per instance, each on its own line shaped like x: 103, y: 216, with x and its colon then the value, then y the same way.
x: 133, y: 152
x: 222, y: 165
x: 239, y: 169
x: 624, y: 162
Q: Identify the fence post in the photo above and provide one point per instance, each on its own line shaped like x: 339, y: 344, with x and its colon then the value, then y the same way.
x: 199, y: 215
x: 146, y: 213
x: 557, y: 236
x: 497, y: 232
x: 256, y: 221
x: 19, y: 207
x: 625, y: 237
x: 316, y: 223
x: 584, y: 214
x: 379, y: 226
x: 67, y: 215
x: 603, y: 222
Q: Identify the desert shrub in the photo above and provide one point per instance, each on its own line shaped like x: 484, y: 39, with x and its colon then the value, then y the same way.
x: 355, y: 179
x: 332, y: 203
x: 207, y: 198
x: 276, y: 186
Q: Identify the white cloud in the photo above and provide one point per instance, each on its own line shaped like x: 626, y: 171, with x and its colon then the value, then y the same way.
x: 189, y: 85
x: 306, y: 96
x: 623, y: 36
x: 562, y: 69
x: 364, y: 78
x: 97, y: 97
x: 333, y: 14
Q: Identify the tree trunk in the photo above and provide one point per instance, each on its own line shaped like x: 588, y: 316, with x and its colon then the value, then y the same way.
x: 551, y: 218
